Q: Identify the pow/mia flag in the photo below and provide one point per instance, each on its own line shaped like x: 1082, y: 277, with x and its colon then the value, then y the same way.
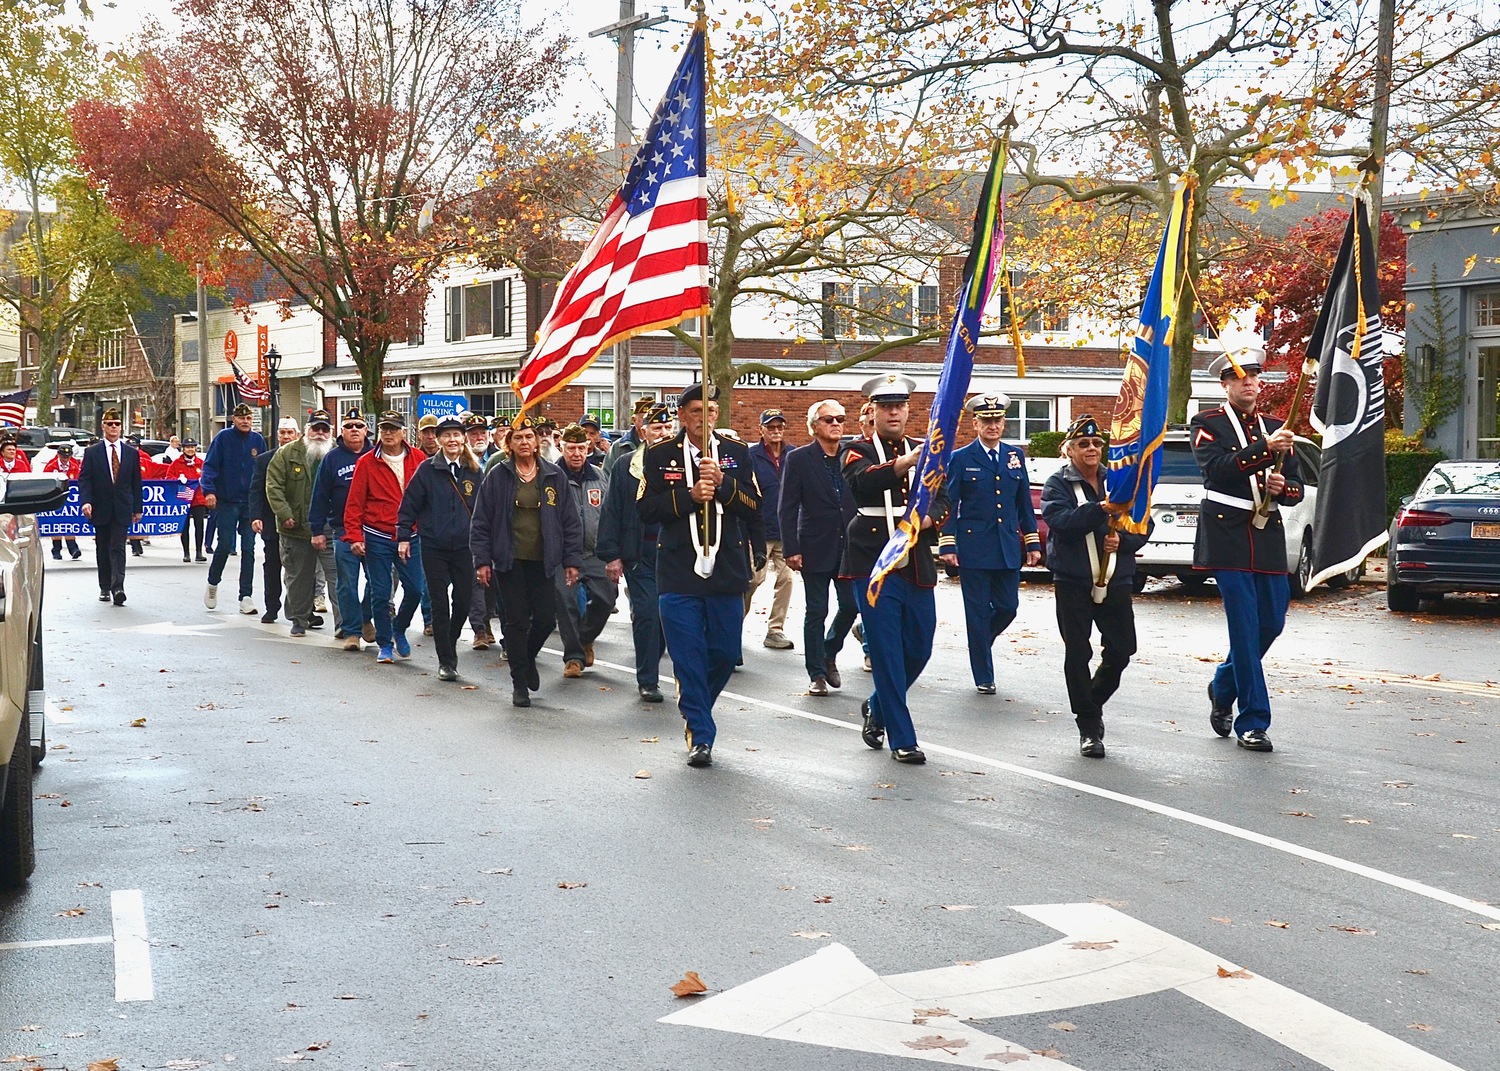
x: 1347, y: 347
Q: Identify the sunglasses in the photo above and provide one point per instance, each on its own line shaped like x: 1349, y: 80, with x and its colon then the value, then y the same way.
x: 111, y: 423
x: 1089, y: 444
x: 830, y: 420
x: 355, y: 426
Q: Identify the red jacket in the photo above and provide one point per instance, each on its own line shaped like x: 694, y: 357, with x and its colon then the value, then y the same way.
x: 192, y: 468
x: 375, y: 497
x: 75, y: 465
x: 21, y: 463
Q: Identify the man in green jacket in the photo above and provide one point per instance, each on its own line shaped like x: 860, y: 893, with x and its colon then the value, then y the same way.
x: 289, y: 486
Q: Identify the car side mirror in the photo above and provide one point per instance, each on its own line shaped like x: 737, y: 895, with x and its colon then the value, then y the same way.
x: 32, y: 494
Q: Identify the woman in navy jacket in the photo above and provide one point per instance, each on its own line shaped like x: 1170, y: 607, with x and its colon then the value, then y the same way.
x: 438, y: 504
x: 525, y: 527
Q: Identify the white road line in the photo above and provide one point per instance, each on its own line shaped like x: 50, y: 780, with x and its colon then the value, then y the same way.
x: 58, y: 943
x: 1395, y: 881
x: 132, y: 950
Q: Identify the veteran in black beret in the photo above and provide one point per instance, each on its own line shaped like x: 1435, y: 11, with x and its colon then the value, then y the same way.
x: 702, y: 493
x: 1241, y: 541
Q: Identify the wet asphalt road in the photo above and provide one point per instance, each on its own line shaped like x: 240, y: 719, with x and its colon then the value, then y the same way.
x: 358, y: 866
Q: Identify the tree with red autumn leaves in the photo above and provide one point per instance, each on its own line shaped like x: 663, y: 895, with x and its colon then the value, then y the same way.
x: 1286, y: 279
x: 315, y: 136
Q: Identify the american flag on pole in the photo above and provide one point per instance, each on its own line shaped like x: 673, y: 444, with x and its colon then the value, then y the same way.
x: 13, y: 407
x: 185, y: 491
x: 646, y: 267
x: 250, y: 390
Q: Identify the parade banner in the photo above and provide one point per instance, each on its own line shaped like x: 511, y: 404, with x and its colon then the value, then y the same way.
x: 980, y: 271
x: 1346, y: 351
x: 165, y: 509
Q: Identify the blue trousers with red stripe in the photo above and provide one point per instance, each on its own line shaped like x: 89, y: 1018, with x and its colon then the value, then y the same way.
x: 899, y: 629
x: 1255, y: 607
x: 703, y: 638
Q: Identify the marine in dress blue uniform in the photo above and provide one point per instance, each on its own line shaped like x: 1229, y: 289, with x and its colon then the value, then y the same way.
x: 1237, y: 448
x: 701, y: 616
x: 899, y: 628
x: 990, y: 533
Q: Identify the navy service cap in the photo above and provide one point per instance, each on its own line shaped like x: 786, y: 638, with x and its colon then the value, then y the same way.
x: 993, y: 404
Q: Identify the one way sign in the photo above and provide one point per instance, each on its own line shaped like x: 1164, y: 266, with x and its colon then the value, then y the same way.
x: 832, y: 999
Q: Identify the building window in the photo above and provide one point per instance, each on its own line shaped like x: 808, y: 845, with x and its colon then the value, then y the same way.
x: 600, y: 404
x: 484, y: 310
x: 416, y: 326
x: 1036, y: 317
x: 190, y: 351
x: 1026, y: 417
x: 927, y: 307
x: 837, y: 321
x: 887, y: 311
x: 111, y: 351
x: 482, y: 404
x: 1487, y: 309
x: 29, y: 352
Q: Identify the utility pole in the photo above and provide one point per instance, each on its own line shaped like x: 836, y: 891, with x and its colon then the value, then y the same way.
x: 1385, y: 31
x: 205, y: 411
x: 623, y: 31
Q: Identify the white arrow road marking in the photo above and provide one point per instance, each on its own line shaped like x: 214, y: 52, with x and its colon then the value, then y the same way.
x: 834, y: 1000
x: 132, y: 950
x: 168, y: 628
x: 57, y: 942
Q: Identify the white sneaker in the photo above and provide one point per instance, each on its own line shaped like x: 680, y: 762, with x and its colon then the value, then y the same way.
x: 320, y: 605
x: 211, y: 596
x: 247, y: 607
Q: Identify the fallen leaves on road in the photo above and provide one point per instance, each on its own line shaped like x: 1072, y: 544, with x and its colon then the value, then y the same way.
x: 348, y: 996
x: 1358, y: 931
x: 572, y: 885
x: 1299, y: 814
x: 1488, y: 925
x: 927, y: 1013
x: 1357, y: 821
x: 469, y: 687
x: 650, y: 739
x: 481, y: 961
x: 956, y: 907
x: 1093, y: 946
x: 1278, y: 924
x: 937, y: 1041
x: 1065, y: 1026
x: 855, y: 847
x: 822, y: 899
x: 1397, y: 784
x: 643, y: 775
x: 1241, y: 973
x: 1418, y: 970
x: 138, y: 723
x: 1463, y: 836
x: 1008, y: 1057
x: 689, y: 985
x: 72, y: 913
x: 498, y: 870
x: 468, y: 901
x: 1225, y: 919
x: 811, y: 935
x: 1051, y: 1054
x: 112, y: 1064
x: 1418, y: 1026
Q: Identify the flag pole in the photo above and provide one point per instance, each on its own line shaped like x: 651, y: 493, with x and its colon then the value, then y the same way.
x: 710, y: 542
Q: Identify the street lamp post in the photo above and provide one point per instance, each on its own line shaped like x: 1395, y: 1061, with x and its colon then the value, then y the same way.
x: 273, y: 365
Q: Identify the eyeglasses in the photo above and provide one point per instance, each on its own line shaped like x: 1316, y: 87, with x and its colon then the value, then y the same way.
x: 1089, y: 444
x: 830, y: 420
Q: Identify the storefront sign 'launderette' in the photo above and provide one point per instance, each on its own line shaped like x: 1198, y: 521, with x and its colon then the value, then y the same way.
x: 164, y: 508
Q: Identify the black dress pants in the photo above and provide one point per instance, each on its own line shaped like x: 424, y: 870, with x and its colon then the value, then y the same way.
x: 109, y: 554
x: 529, y: 604
x: 271, y: 568
x: 448, y: 570
x: 1077, y: 615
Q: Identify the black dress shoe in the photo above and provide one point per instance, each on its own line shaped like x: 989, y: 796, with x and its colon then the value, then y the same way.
x: 119, y: 598
x: 985, y: 689
x: 831, y: 674
x: 314, y: 621
x: 1255, y: 740
x: 873, y: 735
x: 650, y: 694
x: 104, y: 596
x: 268, y: 618
x: 700, y: 755
x: 1091, y: 747
x: 199, y: 558
x: 912, y: 756
x: 1221, y: 718
x: 519, y: 696
x: 533, y: 679
x: 818, y: 687
x: 447, y: 673
x: 185, y: 558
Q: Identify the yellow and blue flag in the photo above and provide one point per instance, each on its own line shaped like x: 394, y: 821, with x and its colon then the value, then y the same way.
x: 980, y: 272
x: 1140, y: 420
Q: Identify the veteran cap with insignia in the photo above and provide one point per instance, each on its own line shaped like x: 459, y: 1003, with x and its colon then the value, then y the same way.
x: 449, y: 422
x: 575, y: 433
x: 474, y: 420
x: 890, y: 388
x: 993, y: 404
x: 1251, y: 360
x: 769, y: 415
x: 320, y: 418
x: 352, y: 415
x: 695, y: 394
x: 660, y: 413
x: 588, y: 420
x: 389, y: 418
x: 1085, y: 427
x: 522, y: 422
x: 242, y: 410
x: 428, y: 421
x: 642, y: 406
x: 111, y: 416
x: 190, y: 441
x: 501, y: 422
x: 546, y: 423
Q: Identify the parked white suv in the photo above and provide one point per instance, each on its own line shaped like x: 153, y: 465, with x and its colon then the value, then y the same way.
x: 1175, y: 505
x: 22, y: 743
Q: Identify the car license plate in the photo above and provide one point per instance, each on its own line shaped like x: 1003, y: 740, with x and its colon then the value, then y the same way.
x: 1486, y: 530
x: 1188, y: 520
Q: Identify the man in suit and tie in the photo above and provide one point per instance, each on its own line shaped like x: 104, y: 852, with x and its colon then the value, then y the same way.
x: 991, y: 531
x: 815, y: 509
x: 109, y: 487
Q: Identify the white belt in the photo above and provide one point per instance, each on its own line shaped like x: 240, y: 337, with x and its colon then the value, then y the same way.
x: 1230, y: 500
x: 872, y: 511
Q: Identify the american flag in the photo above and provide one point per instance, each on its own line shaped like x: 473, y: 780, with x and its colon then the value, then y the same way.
x: 250, y: 390
x: 13, y: 408
x: 185, y: 491
x: 646, y: 267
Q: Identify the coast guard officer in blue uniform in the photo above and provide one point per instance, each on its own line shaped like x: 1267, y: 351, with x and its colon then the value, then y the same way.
x: 991, y: 531
x: 879, y: 472
x: 1236, y: 448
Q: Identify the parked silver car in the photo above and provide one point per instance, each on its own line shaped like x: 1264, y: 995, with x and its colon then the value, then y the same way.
x: 22, y: 691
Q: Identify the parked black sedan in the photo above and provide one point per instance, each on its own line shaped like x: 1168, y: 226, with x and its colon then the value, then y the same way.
x: 1446, y: 537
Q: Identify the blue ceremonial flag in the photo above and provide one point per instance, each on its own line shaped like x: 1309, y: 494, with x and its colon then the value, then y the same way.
x: 1140, y: 420
x: 980, y: 271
